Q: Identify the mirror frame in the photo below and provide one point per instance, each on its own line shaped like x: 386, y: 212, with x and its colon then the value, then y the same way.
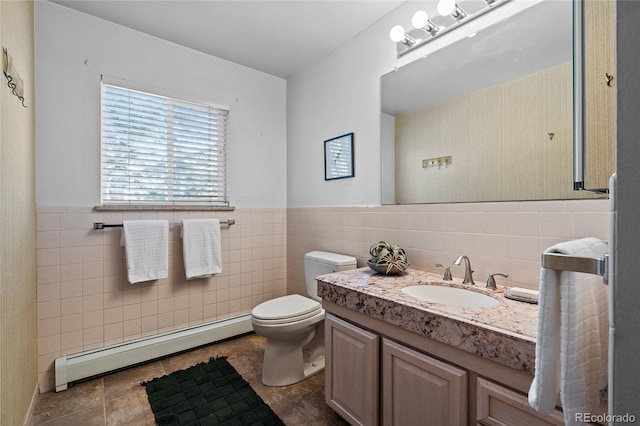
x: 578, y: 97
x: 579, y: 103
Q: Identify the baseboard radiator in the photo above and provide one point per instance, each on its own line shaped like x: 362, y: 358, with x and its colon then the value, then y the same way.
x: 70, y: 368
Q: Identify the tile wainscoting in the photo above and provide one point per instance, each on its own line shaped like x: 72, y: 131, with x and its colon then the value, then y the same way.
x: 498, y: 237
x: 85, y: 301
x: 84, y: 298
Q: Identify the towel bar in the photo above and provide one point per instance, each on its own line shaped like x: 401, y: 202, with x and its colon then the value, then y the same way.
x: 102, y: 225
x: 587, y: 265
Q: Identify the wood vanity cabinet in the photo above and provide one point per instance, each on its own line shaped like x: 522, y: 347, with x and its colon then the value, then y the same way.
x: 351, y: 371
x: 499, y: 405
x: 379, y: 374
x: 415, y: 389
x: 420, y: 390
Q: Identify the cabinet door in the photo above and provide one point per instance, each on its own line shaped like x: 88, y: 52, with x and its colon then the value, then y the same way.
x: 499, y: 406
x: 420, y: 390
x: 351, y: 371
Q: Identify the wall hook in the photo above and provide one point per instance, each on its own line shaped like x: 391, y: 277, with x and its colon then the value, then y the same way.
x: 551, y: 135
x: 14, y: 82
x: 609, y: 78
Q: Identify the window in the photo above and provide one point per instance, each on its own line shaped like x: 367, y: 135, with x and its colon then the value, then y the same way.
x: 158, y: 150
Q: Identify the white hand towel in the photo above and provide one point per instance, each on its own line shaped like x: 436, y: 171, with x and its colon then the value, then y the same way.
x: 572, y: 341
x: 201, y: 247
x: 146, y: 245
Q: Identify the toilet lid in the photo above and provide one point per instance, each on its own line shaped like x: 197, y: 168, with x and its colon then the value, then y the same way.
x: 286, y: 307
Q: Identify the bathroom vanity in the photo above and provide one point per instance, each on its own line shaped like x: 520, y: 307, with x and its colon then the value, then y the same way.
x: 394, y: 359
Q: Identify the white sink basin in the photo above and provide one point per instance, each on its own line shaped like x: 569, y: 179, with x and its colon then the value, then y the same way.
x: 449, y: 295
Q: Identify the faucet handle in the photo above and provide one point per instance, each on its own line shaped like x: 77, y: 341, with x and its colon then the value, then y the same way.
x: 491, y: 282
x: 447, y: 272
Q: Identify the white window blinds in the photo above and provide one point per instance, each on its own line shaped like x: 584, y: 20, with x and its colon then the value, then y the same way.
x: 158, y: 150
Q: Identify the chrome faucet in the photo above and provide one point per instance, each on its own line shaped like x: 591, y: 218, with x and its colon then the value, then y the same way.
x: 468, y: 272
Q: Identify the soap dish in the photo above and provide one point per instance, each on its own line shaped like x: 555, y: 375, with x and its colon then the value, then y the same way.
x: 522, y: 295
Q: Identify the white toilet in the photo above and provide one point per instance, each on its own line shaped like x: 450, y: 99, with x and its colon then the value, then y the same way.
x: 294, y: 326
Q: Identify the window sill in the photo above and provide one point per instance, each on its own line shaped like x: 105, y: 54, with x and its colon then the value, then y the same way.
x: 156, y: 207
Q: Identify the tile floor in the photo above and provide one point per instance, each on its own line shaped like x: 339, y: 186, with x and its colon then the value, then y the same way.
x: 119, y: 399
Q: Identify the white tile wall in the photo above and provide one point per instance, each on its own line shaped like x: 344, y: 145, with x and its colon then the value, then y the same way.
x: 84, y: 298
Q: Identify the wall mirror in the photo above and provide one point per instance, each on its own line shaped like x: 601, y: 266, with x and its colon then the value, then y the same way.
x: 488, y: 118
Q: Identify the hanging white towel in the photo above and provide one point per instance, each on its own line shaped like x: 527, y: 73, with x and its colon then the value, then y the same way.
x: 146, y: 245
x: 572, y: 341
x: 201, y: 247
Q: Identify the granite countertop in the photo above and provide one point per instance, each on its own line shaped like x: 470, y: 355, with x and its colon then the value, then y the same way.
x: 505, y: 333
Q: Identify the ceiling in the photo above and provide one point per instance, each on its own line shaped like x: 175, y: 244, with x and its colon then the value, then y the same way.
x: 276, y: 37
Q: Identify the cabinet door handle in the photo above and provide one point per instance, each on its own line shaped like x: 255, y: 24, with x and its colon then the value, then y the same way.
x: 609, y: 78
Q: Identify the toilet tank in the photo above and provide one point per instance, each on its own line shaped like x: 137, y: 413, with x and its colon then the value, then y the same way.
x: 323, y: 262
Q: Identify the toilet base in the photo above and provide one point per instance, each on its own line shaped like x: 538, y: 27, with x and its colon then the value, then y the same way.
x: 287, y: 362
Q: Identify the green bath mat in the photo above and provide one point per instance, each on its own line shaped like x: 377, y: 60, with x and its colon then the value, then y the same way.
x: 210, y: 393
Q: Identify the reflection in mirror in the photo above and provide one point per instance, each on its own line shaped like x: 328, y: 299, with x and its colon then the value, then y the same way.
x: 595, y: 94
x: 488, y: 118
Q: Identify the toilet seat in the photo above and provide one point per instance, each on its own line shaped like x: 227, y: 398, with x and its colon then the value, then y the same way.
x: 286, y: 309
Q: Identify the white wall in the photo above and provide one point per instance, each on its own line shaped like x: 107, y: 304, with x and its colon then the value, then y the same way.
x: 72, y: 51
x: 338, y: 95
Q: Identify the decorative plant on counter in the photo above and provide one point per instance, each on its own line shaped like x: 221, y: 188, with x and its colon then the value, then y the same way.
x: 387, y: 258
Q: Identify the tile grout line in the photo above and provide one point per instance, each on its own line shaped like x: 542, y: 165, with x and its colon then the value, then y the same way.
x: 104, y: 402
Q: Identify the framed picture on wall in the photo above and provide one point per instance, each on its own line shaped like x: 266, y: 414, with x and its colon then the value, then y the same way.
x: 338, y: 157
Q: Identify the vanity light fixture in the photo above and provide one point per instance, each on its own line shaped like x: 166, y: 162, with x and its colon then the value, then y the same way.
x: 398, y: 35
x: 458, y: 14
x: 425, y: 28
x: 451, y: 8
x: 421, y: 20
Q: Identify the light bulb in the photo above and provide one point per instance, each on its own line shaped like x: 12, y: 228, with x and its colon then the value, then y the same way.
x: 420, y: 19
x: 446, y: 7
x: 397, y: 34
